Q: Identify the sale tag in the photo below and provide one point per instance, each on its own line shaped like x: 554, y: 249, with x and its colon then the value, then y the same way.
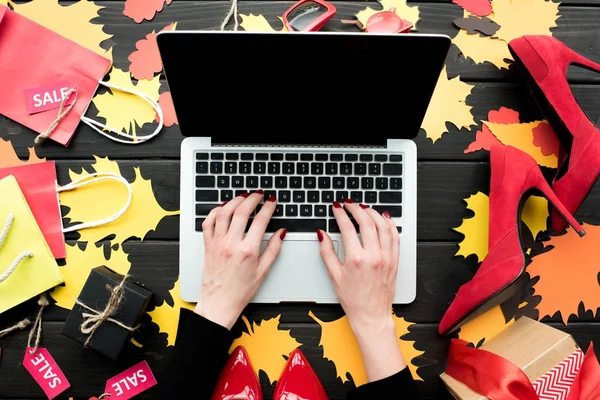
x: 48, y: 97
x: 131, y: 382
x: 46, y: 372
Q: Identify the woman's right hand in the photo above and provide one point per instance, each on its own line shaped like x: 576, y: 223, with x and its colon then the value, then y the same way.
x: 365, y: 283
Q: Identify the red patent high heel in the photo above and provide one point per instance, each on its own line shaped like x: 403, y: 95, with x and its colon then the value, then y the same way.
x: 238, y: 380
x: 515, y: 176
x: 298, y: 381
x: 543, y: 62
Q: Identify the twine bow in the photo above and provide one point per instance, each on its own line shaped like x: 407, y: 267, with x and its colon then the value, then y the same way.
x: 93, y: 320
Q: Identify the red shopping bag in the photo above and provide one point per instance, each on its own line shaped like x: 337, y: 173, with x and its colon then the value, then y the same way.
x: 39, y: 67
x: 38, y: 184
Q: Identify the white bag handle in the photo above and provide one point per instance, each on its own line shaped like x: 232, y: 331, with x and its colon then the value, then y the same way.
x: 91, y: 179
x: 20, y: 257
x: 99, y: 127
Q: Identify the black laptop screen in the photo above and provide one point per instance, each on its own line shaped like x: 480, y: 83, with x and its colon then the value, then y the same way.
x: 301, y: 88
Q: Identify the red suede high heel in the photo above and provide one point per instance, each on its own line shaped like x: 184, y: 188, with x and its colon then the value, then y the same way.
x: 238, y: 380
x: 515, y: 176
x: 298, y: 381
x: 543, y: 62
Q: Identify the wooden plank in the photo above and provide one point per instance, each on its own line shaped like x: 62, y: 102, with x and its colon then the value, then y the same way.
x: 88, y: 371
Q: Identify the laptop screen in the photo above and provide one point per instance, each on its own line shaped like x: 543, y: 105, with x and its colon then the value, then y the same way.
x: 301, y: 88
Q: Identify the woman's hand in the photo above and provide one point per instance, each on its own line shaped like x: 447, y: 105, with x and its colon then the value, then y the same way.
x: 233, y: 265
x: 366, y: 283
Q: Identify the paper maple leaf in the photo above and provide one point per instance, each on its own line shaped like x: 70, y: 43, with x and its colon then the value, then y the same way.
x: 103, y: 199
x: 481, y: 8
x: 482, y: 49
x: 484, y: 327
x: 476, y: 228
x: 146, y: 61
x: 166, y: 316
x: 72, y: 21
x: 409, y: 13
x: 515, y: 18
x: 267, y: 346
x: 448, y: 104
x: 257, y: 23
x: 9, y: 158
x: 165, y: 100
x: 79, y: 263
x: 340, y: 347
x: 123, y: 111
x: 568, y: 274
x: 545, y: 138
x: 140, y: 10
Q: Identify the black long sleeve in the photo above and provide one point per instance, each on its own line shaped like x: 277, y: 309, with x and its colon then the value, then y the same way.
x: 201, y: 351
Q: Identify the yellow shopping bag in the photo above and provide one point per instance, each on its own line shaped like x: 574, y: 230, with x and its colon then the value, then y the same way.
x: 27, y: 266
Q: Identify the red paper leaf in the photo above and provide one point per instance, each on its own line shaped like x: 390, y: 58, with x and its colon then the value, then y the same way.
x: 545, y: 138
x: 484, y: 139
x: 139, y: 10
x: 166, y: 104
x: 504, y: 116
x: 145, y: 61
x: 481, y: 8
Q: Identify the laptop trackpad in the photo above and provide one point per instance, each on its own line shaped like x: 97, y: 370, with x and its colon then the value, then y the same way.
x: 298, y: 274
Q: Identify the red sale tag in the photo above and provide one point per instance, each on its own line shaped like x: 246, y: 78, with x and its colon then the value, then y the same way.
x: 48, y: 97
x: 131, y: 382
x: 46, y: 373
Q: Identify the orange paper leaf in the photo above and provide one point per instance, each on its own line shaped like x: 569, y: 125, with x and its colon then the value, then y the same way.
x: 267, y: 345
x: 568, y: 274
x: 166, y: 104
x: 139, y: 10
x: 484, y: 139
x: 145, y: 61
x: 8, y: 157
x: 484, y: 327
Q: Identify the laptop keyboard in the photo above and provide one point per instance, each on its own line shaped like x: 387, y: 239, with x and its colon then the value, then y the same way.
x: 305, y: 184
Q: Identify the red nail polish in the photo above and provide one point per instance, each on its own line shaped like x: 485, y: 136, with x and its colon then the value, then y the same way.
x: 320, y: 235
x: 282, y: 234
x: 259, y: 191
x: 386, y: 214
x: 245, y: 195
x: 271, y: 198
x: 363, y: 206
x: 348, y: 200
x: 336, y: 204
x: 223, y: 203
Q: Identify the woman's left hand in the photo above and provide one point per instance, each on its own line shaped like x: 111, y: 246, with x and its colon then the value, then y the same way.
x: 234, y: 267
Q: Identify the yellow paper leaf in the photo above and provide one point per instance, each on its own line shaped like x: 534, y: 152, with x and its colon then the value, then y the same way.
x: 484, y: 327
x: 521, y: 137
x: 340, y: 347
x: 568, y: 274
x: 266, y: 345
x: 409, y: 13
x: 448, y: 103
x: 72, y: 21
x: 258, y: 23
x: 476, y: 228
x: 4, y: 2
x: 105, y: 198
x: 79, y: 263
x: 9, y: 158
x: 483, y: 48
x: 515, y: 17
x: 167, y: 316
x: 123, y: 111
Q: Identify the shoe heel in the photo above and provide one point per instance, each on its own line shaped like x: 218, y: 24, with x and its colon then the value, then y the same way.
x: 558, y: 205
x: 580, y: 60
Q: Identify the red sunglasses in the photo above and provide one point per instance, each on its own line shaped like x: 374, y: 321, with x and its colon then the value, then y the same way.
x: 308, y: 15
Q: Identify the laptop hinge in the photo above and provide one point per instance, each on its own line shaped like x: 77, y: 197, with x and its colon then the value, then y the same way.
x: 303, y: 146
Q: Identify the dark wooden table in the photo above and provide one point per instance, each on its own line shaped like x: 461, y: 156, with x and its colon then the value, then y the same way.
x: 446, y: 177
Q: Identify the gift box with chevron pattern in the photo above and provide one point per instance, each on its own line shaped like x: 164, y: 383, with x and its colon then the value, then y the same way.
x: 529, y: 360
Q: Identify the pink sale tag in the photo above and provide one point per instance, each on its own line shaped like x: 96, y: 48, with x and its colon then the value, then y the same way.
x: 48, y: 97
x: 46, y: 373
x: 131, y: 382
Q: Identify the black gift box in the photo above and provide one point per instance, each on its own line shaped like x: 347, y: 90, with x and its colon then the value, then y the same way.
x: 109, y: 338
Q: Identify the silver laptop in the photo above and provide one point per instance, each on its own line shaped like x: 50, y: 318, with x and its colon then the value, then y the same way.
x: 311, y: 118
